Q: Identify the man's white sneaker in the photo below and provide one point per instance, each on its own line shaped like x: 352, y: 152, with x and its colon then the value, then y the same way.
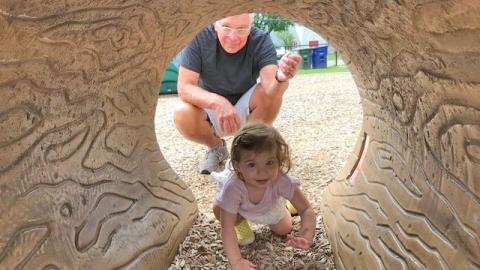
x: 213, y: 158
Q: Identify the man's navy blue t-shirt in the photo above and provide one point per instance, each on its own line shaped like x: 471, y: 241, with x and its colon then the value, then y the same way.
x: 229, y: 75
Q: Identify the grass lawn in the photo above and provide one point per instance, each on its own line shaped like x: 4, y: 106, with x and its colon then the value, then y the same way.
x: 323, y: 70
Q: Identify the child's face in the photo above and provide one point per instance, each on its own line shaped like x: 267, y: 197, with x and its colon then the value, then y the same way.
x: 258, y: 169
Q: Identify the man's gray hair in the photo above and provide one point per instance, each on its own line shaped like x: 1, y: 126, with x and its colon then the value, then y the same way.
x: 251, y: 17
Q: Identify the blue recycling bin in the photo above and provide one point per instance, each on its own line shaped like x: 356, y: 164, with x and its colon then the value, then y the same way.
x: 319, y: 57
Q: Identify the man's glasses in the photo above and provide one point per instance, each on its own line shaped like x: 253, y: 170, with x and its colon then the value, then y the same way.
x: 244, y: 31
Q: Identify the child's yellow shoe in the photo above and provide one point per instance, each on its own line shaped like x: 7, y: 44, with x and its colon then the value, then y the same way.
x: 291, y: 209
x: 245, y: 234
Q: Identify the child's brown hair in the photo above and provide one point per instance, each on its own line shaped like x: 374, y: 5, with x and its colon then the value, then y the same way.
x: 258, y: 137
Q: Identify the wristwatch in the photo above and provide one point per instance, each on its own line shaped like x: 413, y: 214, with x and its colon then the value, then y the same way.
x: 276, y: 78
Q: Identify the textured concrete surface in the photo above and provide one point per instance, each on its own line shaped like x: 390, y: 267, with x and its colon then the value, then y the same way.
x: 83, y: 184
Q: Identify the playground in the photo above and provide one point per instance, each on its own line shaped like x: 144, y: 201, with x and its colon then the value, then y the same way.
x: 92, y: 175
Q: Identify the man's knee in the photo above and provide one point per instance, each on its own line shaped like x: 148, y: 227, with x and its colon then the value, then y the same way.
x: 266, y: 111
x: 180, y: 114
x: 180, y: 117
x: 188, y: 119
x: 273, y: 105
x: 184, y: 117
x: 263, y: 107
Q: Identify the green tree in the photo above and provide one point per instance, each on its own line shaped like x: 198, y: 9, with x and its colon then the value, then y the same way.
x: 287, y: 38
x: 271, y: 23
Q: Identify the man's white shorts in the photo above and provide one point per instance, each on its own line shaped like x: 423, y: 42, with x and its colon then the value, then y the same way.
x: 242, y: 106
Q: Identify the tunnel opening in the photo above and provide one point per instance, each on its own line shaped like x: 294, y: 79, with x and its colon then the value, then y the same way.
x: 320, y: 118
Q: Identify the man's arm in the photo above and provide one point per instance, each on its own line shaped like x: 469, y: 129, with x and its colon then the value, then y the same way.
x: 190, y: 92
x: 275, y: 79
x: 273, y: 88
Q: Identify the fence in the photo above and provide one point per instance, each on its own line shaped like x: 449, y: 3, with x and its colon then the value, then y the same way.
x: 333, y: 58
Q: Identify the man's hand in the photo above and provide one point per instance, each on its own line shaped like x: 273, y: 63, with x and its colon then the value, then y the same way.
x: 243, y: 264
x: 287, y: 66
x: 227, y: 117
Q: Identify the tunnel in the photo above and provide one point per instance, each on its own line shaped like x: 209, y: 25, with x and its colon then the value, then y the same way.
x: 84, y: 185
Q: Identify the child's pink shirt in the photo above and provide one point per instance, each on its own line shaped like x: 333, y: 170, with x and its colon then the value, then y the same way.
x: 232, y: 194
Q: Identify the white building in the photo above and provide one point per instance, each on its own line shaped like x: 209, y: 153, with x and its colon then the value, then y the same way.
x: 302, y: 34
x: 303, y: 38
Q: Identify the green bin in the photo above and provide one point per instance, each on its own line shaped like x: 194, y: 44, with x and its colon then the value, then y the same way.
x: 306, y: 55
x: 169, y: 80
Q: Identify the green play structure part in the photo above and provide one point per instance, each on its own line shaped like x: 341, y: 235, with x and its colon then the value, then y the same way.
x: 169, y: 80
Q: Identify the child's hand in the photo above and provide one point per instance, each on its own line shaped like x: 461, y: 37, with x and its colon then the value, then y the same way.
x: 243, y: 264
x: 298, y: 242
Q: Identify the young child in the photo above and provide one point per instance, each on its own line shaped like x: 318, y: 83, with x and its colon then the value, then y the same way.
x: 254, y: 186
